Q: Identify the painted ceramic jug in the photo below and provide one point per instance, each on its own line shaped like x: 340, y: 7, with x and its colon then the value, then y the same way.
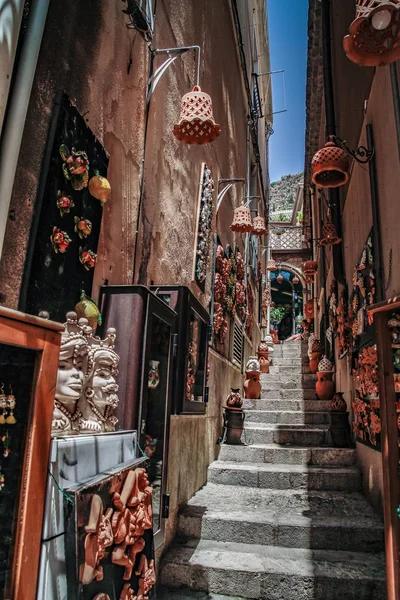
x: 252, y: 385
x: 234, y: 399
x: 325, y: 387
x: 338, y: 403
x: 264, y: 363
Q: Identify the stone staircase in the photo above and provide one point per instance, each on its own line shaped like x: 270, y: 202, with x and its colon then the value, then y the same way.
x: 284, y: 517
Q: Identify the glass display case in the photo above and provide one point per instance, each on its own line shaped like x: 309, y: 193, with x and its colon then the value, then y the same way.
x: 29, y: 351
x: 145, y: 326
x: 190, y: 358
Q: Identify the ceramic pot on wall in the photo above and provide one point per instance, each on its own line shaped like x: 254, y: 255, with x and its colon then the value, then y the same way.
x: 314, y: 362
x: 252, y: 385
x: 325, y: 387
x: 338, y: 403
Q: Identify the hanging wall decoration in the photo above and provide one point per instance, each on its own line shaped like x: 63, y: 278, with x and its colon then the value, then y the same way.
x: 205, y: 219
x: 366, y: 405
x: 66, y: 213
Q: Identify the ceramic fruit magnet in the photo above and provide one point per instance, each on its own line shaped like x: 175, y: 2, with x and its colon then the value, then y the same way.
x: 75, y: 167
x: 60, y: 240
x: 83, y: 227
x: 87, y: 258
x: 64, y: 202
x: 87, y: 308
x: 100, y: 188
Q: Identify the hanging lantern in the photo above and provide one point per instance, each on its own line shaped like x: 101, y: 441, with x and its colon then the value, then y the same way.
x: 329, y: 235
x: 295, y: 280
x: 271, y: 265
x: 259, y: 227
x: 242, y: 220
x: 196, y: 124
x: 374, y: 35
x: 279, y: 278
x: 310, y: 267
x: 330, y: 166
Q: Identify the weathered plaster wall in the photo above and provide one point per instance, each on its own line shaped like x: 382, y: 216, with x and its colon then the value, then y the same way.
x: 85, y: 52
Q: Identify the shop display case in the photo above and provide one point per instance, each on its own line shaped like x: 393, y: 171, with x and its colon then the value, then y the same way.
x: 190, y: 357
x: 29, y: 353
x: 145, y: 326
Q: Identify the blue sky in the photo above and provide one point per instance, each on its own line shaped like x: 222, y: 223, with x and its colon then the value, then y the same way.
x: 288, y: 47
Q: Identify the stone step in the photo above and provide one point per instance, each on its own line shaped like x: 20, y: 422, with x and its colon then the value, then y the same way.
x: 272, y: 453
x: 284, y: 375
x: 297, y: 394
x: 282, y: 476
x: 279, y: 404
x: 287, y: 362
x: 287, y: 417
x: 323, y: 525
x: 272, y: 573
x: 169, y: 594
x: 297, y: 435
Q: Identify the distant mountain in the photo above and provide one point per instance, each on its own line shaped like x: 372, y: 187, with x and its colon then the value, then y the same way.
x: 283, y: 192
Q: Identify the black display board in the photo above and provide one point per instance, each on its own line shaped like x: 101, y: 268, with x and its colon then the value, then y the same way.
x: 53, y: 281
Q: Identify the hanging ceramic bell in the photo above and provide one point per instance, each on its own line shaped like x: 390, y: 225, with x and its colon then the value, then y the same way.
x: 259, y: 227
x: 329, y: 235
x: 374, y: 35
x: 196, y: 124
x: 279, y: 278
x: 242, y: 220
x: 295, y: 280
x: 310, y: 267
x: 271, y: 266
x: 330, y: 166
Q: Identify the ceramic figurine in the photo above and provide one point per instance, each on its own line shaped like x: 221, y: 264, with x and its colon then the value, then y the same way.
x: 60, y: 240
x: 83, y: 227
x: 100, y: 188
x: 87, y: 258
x: 64, y: 203
x: 75, y: 167
x: 87, y: 308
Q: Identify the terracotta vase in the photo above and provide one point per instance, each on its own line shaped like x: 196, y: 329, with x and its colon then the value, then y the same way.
x: 314, y: 362
x: 338, y: 403
x: 252, y: 385
x: 234, y: 399
x: 325, y: 387
x: 262, y: 349
x: 264, y: 363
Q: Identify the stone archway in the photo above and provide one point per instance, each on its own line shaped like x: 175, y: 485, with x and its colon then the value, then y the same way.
x: 288, y: 299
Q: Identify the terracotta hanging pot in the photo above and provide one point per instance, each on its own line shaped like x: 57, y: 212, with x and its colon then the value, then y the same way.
x: 330, y: 166
x: 234, y: 399
x: 259, y: 227
x: 271, y: 266
x: 242, y: 220
x: 310, y: 267
x: 279, y: 278
x: 338, y: 403
x: 252, y: 385
x: 374, y: 35
x: 325, y: 387
x: 264, y: 363
x: 329, y: 235
x: 295, y: 280
x: 196, y: 124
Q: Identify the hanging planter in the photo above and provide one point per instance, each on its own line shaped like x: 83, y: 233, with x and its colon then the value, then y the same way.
x: 310, y: 267
x: 196, y: 124
x: 330, y: 166
x: 374, y: 35
x: 271, y: 266
x: 242, y: 220
x: 329, y: 235
x: 259, y: 227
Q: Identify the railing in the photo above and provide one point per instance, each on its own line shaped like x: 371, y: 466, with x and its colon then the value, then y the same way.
x: 286, y: 238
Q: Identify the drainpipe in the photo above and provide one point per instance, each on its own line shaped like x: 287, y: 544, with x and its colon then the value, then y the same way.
x: 18, y: 107
x: 396, y: 100
x: 334, y: 197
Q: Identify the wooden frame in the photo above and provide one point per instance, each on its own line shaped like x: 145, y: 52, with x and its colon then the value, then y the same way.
x: 42, y: 336
x: 389, y: 440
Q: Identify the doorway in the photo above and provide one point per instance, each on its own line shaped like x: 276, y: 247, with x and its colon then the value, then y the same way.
x: 286, y: 313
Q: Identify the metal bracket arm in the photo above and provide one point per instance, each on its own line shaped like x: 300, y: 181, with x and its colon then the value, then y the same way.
x: 173, y: 54
x: 362, y: 154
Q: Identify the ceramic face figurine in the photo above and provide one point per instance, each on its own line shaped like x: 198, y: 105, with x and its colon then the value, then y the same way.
x: 100, y: 387
x: 69, y: 388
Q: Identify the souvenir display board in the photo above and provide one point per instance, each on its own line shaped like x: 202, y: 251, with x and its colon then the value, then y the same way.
x: 205, y: 219
x: 145, y: 326
x: 109, y: 537
x: 65, y: 232
x: 29, y: 349
x: 366, y: 405
x: 190, y: 360
x: 73, y: 459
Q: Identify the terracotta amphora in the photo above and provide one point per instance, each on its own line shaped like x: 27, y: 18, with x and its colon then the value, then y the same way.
x: 264, y: 363
x: 314, y: 362
x: 338, y: 403
x: 234, y: 399
x: 252, y: 385
x: 325, y: 387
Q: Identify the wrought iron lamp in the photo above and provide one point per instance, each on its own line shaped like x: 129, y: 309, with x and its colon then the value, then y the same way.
x: 374, y: 36
x: 330, y: 165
